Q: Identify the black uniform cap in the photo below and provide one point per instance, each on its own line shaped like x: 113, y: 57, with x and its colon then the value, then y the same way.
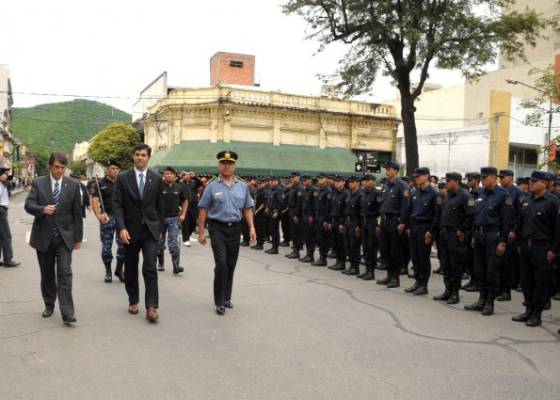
x: 505, y: 172
x: 227, y: 155
x: 405, y: 179
x: 369, y: 178
x: 113, y: 162
x: 295, y: 173
x: 487, y: 171
x: 422, y: 171
x: 522, y: 181
x: 473, y: 175
x: 353, y: 178
x: 306, y: 177
x: 453, y: 176
x: 541, y: 176
x: 170, y: 169
x: 393, y: 164
x: 441, y: 185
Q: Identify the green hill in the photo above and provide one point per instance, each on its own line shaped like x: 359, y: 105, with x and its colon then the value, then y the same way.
x: 57, y: 126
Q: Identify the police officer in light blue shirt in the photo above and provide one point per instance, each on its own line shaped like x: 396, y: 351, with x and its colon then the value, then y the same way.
x: 225, y: 201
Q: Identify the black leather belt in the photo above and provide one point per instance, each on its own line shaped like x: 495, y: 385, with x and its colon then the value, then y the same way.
x: 222, y: 223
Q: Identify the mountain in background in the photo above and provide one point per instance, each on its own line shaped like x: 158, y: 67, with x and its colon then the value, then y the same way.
x: 57, y: 126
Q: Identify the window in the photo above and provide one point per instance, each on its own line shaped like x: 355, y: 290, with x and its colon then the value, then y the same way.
x: 236, y: 64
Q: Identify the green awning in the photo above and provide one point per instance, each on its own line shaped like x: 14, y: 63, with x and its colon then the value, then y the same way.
x: 261, y: 159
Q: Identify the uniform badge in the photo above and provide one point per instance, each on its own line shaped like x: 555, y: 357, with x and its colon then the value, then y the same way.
x: 283, y: 195
x: 315, y: 194
x: 329, y: 196
x: 471, y: 202
x: 509, y: 200
x: 300, y: 193
x: 379, y: 199
x: 439, y: 200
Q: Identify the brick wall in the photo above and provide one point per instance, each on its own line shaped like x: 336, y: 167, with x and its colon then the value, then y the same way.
x: 231, y: 68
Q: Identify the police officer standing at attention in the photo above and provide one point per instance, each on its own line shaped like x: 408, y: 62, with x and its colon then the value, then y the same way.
x: 275, y: 205
x: 424, y: 205
x: 370, y: 202
x: 455, y: 221
x: 225, y: 201
x: 102, y: 204
x: 295, y: 208
x: 473, y: 183
x: 394, y: 214
x: 309, y: 226
x: 260, y: 217
x: 323, y: 219
x: 492, y: 224
x: 352, y: 227
x: 176, y: 204
x: 538, y: 228
x: 511, y: 259
x: 340, y: 198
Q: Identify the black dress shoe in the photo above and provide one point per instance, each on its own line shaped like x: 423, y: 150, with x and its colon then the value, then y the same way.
x: 478, y: 306
x: 535, y: 320
x: 443, y: 297
x: 422, y: 290
x: 453, y: 298
x: 221, y: 310
x: 412, y: 289
x: 48, y: 312
x: 69, y: 320
x: 488, y: 309
x: 244, y: 243
x: 394, y: 283
x: 321, y: 262
x: 338, y: 267
x: 228, y: 304
x: 293, y: 256
x: 108, y: 278
x: 523, y: 317
x: 306, y: 259
x: 273, y: 250
x: 506, y: 296
x: 11, y: 264
x: 257, y: 247
x: 352, y: 271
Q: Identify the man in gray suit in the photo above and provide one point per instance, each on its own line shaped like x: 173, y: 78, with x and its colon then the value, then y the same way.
x: 55, y: 202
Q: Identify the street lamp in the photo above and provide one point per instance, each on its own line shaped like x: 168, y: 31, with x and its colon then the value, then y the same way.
x: 549, y: 132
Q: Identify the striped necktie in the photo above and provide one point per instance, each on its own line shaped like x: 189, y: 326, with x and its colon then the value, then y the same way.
x: 141, y: 185
x: 56, y: 198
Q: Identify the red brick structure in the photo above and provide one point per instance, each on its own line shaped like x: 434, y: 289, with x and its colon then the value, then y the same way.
x: 231, y: 68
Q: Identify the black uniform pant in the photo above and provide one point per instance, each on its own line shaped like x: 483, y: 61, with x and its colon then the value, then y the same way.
x: 275, y: 229
x: 369, y: 241
x: 189, y: 224
x: 310, y: 234
x: 420, y: 253
x: 508, y: 267
x: 487, y: 264
x: 5, y: 235
x: 260, y: 227
x: 60, y: 282
x: 285, y: 222
x: 297, y: 230
x: 339, y: 240
x: 354, y: 242
x: 468, y: 265
x: 391, y: 249
x: 225, y: 246
x: 452, y: 257
x: 536, y: 274
x: 150, y: 248
x: 323, y: 238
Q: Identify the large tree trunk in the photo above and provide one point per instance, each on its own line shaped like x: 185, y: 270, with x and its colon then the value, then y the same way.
x: 410, y: 136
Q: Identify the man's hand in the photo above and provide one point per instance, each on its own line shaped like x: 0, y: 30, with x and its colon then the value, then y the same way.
x: 400, y: 228
x: 103, y: 218
x: 357, y: 231
x: 49, y: 210
x: 202, y: 238
x: 378, y: 232
x: 511, y: 237
x: 550, y: 257
x: 125, y: 237
x: 428, y: 238
x: 501, y: 249
x: 311, y: 220
x: 77, y: 245
x: 296, y: 220
x: 461, y: 236
x: 275, y: 215
x: 181, y: 219
x: 342, y: 229
x: 252, y: 235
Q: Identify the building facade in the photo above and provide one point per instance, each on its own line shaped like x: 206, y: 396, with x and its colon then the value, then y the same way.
x: 6, y: 101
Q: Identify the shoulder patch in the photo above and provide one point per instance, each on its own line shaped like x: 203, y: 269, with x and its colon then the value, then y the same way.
x: 329, y: 196
x: 439, y: 200
x: 315, y: 193
x: 509, y: 200
x: 471, y: 202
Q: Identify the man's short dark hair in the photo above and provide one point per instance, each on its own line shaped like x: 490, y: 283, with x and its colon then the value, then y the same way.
x: 58, y: 157
x: 142, y: 146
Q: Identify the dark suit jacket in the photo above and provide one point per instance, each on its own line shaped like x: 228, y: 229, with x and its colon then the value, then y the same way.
x: 67, y: 217
x: 131, y: 212
x: 85, y: 199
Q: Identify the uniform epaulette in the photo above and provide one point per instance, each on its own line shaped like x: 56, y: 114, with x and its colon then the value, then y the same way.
x: 210, y: 181
x: 240, y: 179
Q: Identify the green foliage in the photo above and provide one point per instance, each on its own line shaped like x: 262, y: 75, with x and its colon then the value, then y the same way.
x: 78, y: 167
x: 115, y: 142
x: 404, y: 39
x: 58, y: 126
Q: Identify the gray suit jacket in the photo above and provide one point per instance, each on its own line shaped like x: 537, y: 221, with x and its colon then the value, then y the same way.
x: 67, y: 217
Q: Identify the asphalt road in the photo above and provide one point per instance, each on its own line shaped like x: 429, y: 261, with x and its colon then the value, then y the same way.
x: 296, y: 332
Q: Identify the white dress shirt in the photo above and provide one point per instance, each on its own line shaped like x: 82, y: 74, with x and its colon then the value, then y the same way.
x: 138, y: 172
x: 53, y: 182
x: 4, y: 195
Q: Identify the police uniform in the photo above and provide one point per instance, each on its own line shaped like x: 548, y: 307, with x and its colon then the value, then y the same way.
x: 370, y: 203
x: 295, y: 209
x: 323, y: 202
x: 538, y: 228
x: 309, y: 225
x: 510, y: 265
x: 225, y: 206
x: 472, y: 284
x: 352, y: 229
x: 424, y: 205
x: 173, y: 198
x: 454, y: 219
x: 394, y: 211
x: 285, y: 220
x: 103, y: 189
x: 339, y: 200
x: 260, y: 217
x: 492, y: 223
x: 275, y: 206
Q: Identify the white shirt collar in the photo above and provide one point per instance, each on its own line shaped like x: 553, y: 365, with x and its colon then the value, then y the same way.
x: 53, y: 180
x: 138, y: 172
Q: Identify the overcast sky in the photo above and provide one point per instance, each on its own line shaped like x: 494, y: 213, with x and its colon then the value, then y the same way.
x: 115, y: 48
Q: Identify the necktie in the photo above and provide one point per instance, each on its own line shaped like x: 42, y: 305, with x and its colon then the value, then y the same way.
x: 56, y: 198
x: 141, y: 185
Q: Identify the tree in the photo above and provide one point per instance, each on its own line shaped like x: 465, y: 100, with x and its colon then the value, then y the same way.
x: 114, y: 142
x: 78, y: 167
x: 404, y: 39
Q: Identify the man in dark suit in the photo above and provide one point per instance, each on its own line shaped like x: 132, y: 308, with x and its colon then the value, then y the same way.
x: 139, y: 212
x: 57, y: 230
x: 84, y: 194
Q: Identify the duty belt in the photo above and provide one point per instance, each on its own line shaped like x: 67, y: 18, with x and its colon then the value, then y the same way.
x: 229, y: 224
x: 388, y: 217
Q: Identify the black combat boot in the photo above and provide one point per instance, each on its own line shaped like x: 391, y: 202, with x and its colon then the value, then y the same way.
x: 160, y: 259
x: 386, y: 280
x: 332, y: 255
x: 176, y: 268
x: 422, y: 290
x: 395, y: 282
x: 523, y: 317
x: 272, y: 250
x: 258, y: 246
x: 413, y: 288
x: 119, y: 273
x: 108, y: 277
x: 321, y: 262
x: 339, y: 266
x: 488, y: 308
x: 370, y: 274
x: 294, y: 255
x: 535, y: 319
x: 444, y: 296
x: 354, y: 270
x: 453, y: 297
x: 477, y: 306
x: 308, y: 258
x: 505, y: 296
x: 361, y: 276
